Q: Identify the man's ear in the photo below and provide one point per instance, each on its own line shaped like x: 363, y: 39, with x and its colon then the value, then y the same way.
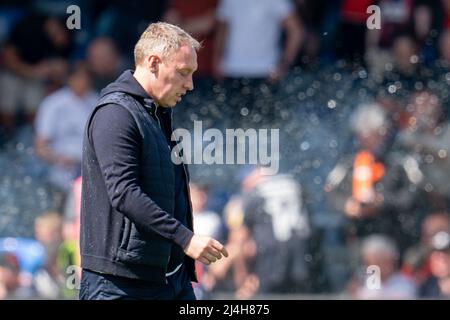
x: 153, y: 63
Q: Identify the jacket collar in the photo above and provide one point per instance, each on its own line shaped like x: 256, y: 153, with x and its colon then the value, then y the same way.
x: 154, y: 109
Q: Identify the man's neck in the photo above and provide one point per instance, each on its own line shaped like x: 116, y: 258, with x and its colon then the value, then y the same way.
x: 143, y: 80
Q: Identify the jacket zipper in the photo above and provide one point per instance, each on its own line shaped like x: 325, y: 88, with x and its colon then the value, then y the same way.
x: 160, y: 127
x: 188, y: 193
x: 185, y: 176
x: 184, y: 170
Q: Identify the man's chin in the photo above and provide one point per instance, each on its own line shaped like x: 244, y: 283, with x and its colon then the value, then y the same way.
x: 168, y: 105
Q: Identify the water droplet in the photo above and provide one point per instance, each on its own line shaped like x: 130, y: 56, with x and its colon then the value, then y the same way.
x: 414, y: 59
x: 304, y: 146
x: 429, y: 158
x: 331, y: 104
x: 244, y: 112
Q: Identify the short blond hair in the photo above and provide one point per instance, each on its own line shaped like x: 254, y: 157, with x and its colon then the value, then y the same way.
x: 161, y: 38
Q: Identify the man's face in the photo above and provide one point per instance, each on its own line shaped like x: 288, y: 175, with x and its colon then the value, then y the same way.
x: 174, y: 76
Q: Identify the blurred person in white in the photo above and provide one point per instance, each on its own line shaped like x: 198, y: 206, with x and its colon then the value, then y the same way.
x: 438, y: 284
x: 248, y: 35
x: 59, y: 131
x: 248, y: 58
x: 207, y: 223
x: 380, y: 251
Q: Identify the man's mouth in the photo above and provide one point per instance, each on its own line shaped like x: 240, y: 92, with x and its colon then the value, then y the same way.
x: 179, y: 96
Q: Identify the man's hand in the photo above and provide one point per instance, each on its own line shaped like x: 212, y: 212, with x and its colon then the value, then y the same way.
x: 205, y: 249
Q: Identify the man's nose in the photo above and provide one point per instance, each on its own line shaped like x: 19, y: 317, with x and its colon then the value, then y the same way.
x: 189, y: 84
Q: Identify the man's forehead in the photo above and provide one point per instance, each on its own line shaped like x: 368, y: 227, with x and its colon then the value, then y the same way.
x: 185, y: 55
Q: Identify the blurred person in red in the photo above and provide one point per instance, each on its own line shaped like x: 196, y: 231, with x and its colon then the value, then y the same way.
x: 351, y: 41
x: 198, y: 17
x: 416, y: 262
x: 9, y: 275
x: 438, y: 284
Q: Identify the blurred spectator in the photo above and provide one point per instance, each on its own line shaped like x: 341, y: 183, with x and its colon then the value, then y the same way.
x: 9, y: 275
x: 48, y: 231
x: 424, y: 34
x: 104, y: 62
x: 372, y: 187
x: 69, y: 251
x: 31, y: 256
x: 248, y: 35
x: 402, y: 17
x: 427, y: 140
x: 206, y: 223
x: 446, y: 10
x: 351, y: 44
x: 124, y: 21
x: 312, y: 14
x: 59, y: 131
x: 396, y: 18
x: 416, y: 262
x: 406, y: 74
x: 38, y: 277
x: 444, y: 50
x: 247, y: 53
x: 276, y: 224
x: 438, y: 284
x: 380, y: 251
x: 198, y: 17
x: 34, y: 59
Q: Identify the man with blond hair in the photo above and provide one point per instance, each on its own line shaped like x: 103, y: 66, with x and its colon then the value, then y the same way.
x: 137, y: 239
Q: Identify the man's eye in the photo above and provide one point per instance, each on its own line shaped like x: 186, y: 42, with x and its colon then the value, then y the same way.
x: 183, y: 73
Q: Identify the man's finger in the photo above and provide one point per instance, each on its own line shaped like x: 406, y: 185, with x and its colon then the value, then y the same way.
x: 214, y: 252
x: 210, y: 257
x: 220, y: 247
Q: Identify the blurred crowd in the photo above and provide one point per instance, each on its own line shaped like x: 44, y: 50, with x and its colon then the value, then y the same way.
x: 361, y: 204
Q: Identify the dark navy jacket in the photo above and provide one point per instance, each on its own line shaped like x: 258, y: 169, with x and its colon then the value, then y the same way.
x: 129, y: 198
